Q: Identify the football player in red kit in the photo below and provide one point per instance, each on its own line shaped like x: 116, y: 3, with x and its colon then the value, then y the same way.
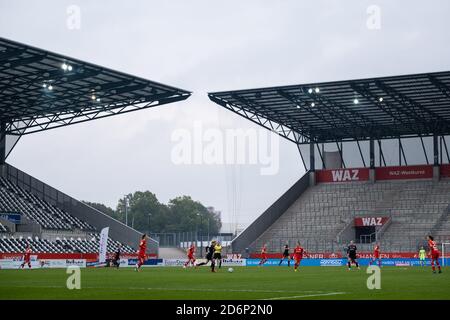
x: 376, y: 255
x: 26, y: 257
x: 263, y: 255
x: 434, y: 254
x: 141, y: 252
x: 298, y: 255
x: 190, y: 255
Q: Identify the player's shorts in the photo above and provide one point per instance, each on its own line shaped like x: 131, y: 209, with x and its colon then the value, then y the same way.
x: 141, y: 258
x: 209, y: 256
x: 217, y: 256
x: 263, y: 257
x: 422, y: 258
x: 435, y: 255
x: 352, y: 257
x: 298, y: 259
x: 285, y: 254
x: 191, y: 258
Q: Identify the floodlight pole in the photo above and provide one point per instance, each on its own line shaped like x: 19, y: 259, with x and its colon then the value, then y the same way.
x: 148, y: 222
x: 126, y: 210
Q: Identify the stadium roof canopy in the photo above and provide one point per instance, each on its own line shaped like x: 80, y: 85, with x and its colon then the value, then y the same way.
x: 40, y: 90
x: 404, y: 106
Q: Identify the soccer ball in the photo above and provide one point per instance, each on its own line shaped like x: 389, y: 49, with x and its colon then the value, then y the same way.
x: 184, y: 267
x: 230, y: 269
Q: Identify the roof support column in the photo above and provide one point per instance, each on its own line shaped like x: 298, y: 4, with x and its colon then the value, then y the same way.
x: 2, y: 143
x: 312, y: 164
x: 372, y: 153
x: 372, y: 160
x: 435, y: 151
x: 436, y: 171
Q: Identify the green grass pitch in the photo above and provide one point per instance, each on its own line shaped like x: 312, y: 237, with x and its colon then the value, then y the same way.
x: 244, y: 283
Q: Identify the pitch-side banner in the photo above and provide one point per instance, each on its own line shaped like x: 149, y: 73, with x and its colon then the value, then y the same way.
x: 342, y: 262
x: 225, y: 262
x: 44, y: 263
x: 102, y: 245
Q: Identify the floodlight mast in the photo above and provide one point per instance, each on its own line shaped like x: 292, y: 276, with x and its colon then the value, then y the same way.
x: 443, y: 252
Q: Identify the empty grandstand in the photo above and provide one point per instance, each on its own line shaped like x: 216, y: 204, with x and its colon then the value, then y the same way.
x: 41, y: 90
x: 396, y: 204
x: 320, y: 215
x: 14, y: 244
x: 13, y: 198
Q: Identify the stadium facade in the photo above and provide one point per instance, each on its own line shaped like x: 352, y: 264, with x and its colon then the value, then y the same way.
x: 42, y: 90
x: 396, y: 204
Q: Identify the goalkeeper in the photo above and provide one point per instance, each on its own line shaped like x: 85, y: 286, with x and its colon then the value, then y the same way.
x: 422, y: 255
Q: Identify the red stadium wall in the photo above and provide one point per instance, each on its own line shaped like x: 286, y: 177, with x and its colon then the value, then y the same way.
x: 381, y: 173
x: 403, y: 173
x: 87, y: 256
x: 445, y: 171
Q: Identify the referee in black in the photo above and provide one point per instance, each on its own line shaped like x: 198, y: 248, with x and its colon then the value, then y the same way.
x: 116, y: 260
x: 286, y: 255
x: 351, y: 255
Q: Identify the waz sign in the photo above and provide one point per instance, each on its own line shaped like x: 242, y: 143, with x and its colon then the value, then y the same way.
x: 370, y: 221
x: 343, y: 175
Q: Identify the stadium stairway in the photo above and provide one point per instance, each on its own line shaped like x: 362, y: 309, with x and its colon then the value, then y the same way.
x: 171, y: 253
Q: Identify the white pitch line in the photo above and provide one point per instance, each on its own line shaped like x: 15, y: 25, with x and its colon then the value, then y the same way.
x: 173, y: 289
x: 211, y: 290
x: 306, y: 296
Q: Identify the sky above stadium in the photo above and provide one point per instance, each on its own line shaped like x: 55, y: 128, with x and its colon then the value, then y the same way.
x: 205, y: 46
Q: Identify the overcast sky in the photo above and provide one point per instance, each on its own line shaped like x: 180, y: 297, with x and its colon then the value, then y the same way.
x: 205, y: 46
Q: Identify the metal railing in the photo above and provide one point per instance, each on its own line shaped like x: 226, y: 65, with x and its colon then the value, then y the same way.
x: 179, y: 239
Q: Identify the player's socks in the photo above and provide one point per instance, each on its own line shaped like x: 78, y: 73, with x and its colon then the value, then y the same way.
x: 289, y: 263
x: 349, y: 265
x: 280, y: 262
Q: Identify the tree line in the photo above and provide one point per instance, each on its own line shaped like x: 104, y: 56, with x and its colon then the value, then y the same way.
x: 147, y: 214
